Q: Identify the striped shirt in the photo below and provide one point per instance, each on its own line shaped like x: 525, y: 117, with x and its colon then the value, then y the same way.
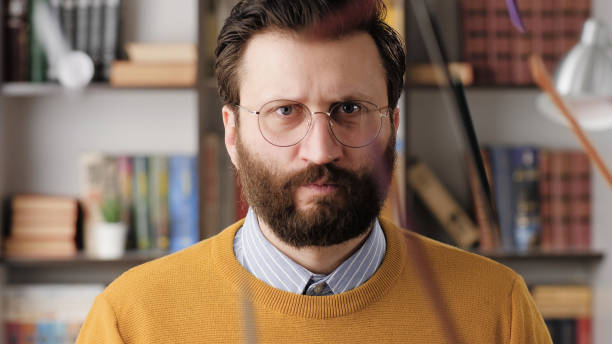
x: 258, y: 256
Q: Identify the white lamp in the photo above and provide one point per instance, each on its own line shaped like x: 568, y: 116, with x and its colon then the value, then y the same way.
x: 584, y: 79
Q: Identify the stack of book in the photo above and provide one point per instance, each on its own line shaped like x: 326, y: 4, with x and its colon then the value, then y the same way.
x: 543, y: 197
x: 500, y: 53
x: 42, y: 227
x: 47, y: 313
x: 91, y: 26
x: 156, y: 65
x: 158, y: 197
x: 567, y: 312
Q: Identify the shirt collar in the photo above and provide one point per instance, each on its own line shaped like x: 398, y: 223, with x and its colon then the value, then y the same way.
x: 256, y: 254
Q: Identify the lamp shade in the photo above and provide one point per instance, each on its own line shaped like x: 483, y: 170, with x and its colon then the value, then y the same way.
x: 584, y: 79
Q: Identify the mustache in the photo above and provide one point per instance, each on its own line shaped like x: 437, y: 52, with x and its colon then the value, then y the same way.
x: 330, y: 173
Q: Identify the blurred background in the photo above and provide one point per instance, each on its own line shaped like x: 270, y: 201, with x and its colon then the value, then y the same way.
x: 97, y: 179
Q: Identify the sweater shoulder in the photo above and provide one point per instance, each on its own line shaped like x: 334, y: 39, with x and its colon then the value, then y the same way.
x: 169, y: 273
x: 456, y: 265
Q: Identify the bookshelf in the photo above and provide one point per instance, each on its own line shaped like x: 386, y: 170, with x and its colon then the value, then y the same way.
x: 43, y: 130
x: 508, y: 115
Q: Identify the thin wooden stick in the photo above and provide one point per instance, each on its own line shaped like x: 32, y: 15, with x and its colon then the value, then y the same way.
x: 542, y: 78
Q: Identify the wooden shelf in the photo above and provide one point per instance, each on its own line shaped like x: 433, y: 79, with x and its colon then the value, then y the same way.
x: 25, y: 89
x: 130, y: 258
x: 558, y: 256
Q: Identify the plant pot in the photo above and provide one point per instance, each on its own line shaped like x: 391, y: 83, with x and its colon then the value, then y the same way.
x: 109, y: 240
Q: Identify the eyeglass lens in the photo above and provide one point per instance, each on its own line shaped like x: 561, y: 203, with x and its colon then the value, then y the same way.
x: 353, y: 123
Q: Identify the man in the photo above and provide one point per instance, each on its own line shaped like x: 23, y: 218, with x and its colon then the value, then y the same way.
x: 310, y: 92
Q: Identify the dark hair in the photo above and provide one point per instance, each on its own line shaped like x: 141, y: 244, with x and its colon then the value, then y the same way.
x: 321, y: 18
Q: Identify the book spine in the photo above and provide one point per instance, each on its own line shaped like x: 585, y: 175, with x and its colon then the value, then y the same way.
x: 491, y: 42
x: 55, y: 7
x: 584, y: 331
x: 545, y: 197
x: 502, y: 183
x: 548, y: 17
x: 473, y: 22
x: 521, y: 43
x: 82, y: 25
x: 485, y: 226
x: 525, y: 198
x: 110, y: 36
x: 444, y: 207
x: 17, y: 48
x: 38, y: 58
x: 183, y: 202
x: 158, y: 200
x: 68, y: 18
x: 94, y: 42
x: 580, y: 201
x: 125, y: 178
x: 503, y: 32
x: 559, y: 200
x: 141, y: 203
x: 567, y: 331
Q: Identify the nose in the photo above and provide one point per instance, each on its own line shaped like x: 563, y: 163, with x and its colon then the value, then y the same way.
x: 319, y: 146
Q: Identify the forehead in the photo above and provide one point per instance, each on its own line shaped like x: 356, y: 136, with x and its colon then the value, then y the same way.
x: 279, y: 64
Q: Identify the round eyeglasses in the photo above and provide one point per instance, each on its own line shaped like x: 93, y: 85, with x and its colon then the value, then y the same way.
x: 354, y: 123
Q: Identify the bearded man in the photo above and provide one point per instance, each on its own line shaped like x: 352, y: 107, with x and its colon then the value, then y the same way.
x: 310, y: 92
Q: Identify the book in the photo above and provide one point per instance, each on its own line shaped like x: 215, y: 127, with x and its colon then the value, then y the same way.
x: 94, y: 41
x: 502, y: 184
x: 563, y: 301
x: 125, y: 177
x: 473, y: 19
x: 489, y: 230
x: 67, y: 20
x: 39, y: 248
x: 110, y: 36
x: 158, y: 201
x: 161, y: 52
x: 183, y: 202
x: 525, y: 196
x: 38, y: 57
x: 134, y: 74
x: 426, y: 74
x: 440, y: 202
x: 81, y: 26
x: 46, y: 313
x: 141, y: 203
x: 580, y: 201
x: 559, y: 200
x: 546, y: 242
x: 16, y: 49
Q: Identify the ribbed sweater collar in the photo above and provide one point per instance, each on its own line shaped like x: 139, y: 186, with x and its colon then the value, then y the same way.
x: 319, y: 307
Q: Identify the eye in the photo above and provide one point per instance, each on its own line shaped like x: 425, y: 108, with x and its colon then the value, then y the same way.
x: 285, y: 110
x: 350, y: 108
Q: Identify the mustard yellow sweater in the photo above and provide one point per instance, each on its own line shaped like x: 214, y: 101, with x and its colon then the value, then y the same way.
x: 197, y: 296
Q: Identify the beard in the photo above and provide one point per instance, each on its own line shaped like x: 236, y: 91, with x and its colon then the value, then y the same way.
x: 333, y: 219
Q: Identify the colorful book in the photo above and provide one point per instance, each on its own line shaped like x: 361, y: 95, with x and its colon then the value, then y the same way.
x: 16, y: 49
x: 580, y: 201
x: 559, y: 200
x: 38, y: 57
x: 444, y: 207
x: 158, y: 201
x: 183, y: 202
x: 525, y: 197
x: 141, y: 203
x: 110, y: 36
x: 502, y: 184
x: 94, y: 41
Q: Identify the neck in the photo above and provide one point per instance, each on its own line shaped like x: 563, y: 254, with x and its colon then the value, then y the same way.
x: 317, y: 259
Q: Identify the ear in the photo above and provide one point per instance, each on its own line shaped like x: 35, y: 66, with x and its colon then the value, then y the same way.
x: 396, y: 119
x: 229, y: 122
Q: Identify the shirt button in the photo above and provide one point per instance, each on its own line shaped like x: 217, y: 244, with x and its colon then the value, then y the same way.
x: 319, y: 288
